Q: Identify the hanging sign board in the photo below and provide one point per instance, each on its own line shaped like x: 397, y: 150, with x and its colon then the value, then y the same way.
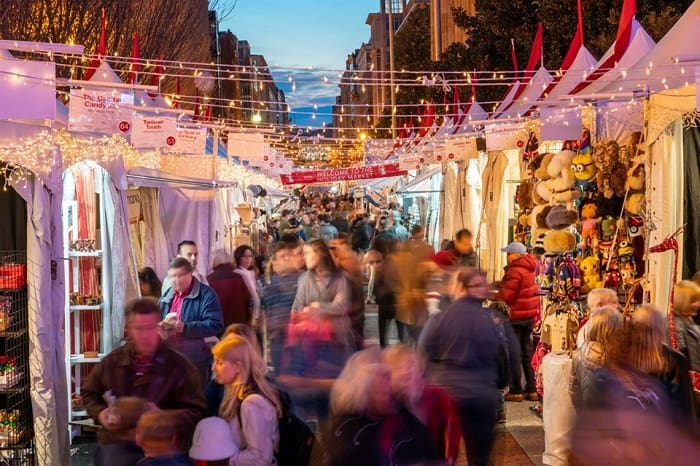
x: 460, y: 149
x: 106, y: 112
x: 153, y: 131
x: 343, y: 174
x: 505, y: 136
x: 28, y: 90
x: 189, y: 141
x: 246, y: 146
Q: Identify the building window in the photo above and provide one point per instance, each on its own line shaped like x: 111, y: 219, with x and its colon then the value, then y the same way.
x: 395, y: 5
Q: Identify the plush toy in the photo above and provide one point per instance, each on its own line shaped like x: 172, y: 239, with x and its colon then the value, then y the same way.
x: 635, y: 204
x: 589, y: 224
x: 628, y: 273
x: 608, y: 228
x: 524, y: 193
x: 538, y: 218
x: 636, y: 178
x: 635, y: 151
x: 559, y: 217
x: 584, y: 169
x: 611, y: 174
x: 522, y: 229
x: 612, y: 279
x: 561, y: 183
x: 625, y: 251
x: 590, y: 271
x: 540, y: 163
x: 559, y: 242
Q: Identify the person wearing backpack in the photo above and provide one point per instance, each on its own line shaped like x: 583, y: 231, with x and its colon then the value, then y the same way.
x: 250, y: 405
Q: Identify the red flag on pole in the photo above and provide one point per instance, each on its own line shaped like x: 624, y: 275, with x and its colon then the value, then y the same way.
x: 622, y: 41
x: 101, y: 49
x: 135, y: 56
x: 157, y: 72
x: 576, y: 42
x: 535, y: 52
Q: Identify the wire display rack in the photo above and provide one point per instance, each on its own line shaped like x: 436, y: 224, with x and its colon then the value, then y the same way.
x: 16, y: 421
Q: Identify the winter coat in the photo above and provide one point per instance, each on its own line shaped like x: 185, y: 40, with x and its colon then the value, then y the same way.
x: 172, y: 383
x: 398, y: 440
x: 201, y: 313
x: 235, y: 299
x: 255, y: 432
x: 464, y: 351
x: 519, y: 290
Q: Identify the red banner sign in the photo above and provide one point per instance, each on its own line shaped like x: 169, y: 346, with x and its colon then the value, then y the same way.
x: 343, y: 174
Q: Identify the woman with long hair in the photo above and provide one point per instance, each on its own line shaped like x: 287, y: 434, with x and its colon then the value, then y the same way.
x: 149, y: 283
x: 250, y: 405
x: 604, y: 326
x: 652, y: 355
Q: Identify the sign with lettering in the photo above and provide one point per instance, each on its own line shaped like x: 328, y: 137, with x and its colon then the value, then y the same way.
x: 153, y: 131
x: 106, y: 112
x: 189, y: 141
x: 343, y: 174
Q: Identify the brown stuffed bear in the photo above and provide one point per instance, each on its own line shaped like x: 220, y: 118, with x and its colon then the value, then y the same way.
x: 611, y: 171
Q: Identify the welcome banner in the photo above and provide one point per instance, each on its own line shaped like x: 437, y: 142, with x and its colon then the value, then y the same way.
x: 343, y: 174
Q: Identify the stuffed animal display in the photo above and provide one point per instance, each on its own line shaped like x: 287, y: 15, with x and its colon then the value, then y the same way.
x: 582, y: 211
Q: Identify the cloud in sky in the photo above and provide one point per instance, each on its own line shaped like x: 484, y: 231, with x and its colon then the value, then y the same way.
x: 313, y: 33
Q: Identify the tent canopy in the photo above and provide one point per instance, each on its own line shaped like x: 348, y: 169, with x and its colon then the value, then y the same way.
x: 420, y: 183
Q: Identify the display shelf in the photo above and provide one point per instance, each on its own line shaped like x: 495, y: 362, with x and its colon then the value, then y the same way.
x: 96, y: 253
x: 86, y: 307
x: 80, y: 359
x: 16, y: 435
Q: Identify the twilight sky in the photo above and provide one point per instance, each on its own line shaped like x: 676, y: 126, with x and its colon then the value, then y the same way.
x: 302, y: 34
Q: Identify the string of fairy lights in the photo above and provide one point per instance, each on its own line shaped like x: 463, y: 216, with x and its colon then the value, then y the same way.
x: 355, y: 120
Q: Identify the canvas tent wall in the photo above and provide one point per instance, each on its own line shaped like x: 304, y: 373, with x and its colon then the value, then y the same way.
x: 46, y: 288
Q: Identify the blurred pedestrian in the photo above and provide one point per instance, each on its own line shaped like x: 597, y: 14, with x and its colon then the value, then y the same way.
x: 465, y: 356
x: 231, y: 290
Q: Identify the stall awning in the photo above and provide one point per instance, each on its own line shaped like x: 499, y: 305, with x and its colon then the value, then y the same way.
x: 148, y: 177
x: 419, y: 183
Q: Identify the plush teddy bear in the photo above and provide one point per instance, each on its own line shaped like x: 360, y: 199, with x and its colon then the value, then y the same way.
x: 538, y: 220
x: 636, y: 177
x: 590, y: 271
x: 561, y: 183
x: 524, y: 193
x: 635, y: 151
x: 611, y: 174
x: 522, y: 229
x: 539, y: 165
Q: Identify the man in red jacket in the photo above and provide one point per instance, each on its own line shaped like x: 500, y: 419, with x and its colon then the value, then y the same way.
x: 520, y: 291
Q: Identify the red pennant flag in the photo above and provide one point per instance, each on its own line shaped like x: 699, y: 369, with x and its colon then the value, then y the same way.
x: 157, y: 72
x: 514, y: 58
x: 622, y: 41
x: 135, y: 56
x: 535, y: 52
x: 101, y: 49
x: 427, y: 120
x: 576, y: 42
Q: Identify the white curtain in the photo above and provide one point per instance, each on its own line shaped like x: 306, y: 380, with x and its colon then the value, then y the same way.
x: 155, y: 251
x: 665, y: 201
x: 46, y: 315
x: 449, y: 211
x: 117, y: 264
x: 185, y: 215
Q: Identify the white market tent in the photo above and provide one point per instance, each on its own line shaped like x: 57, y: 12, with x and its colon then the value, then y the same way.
x: 529, y: 96
x: 655, y: 69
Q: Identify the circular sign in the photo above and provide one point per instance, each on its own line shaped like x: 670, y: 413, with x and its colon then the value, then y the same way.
x: 170, y: 140
x: 439, y: 158
x: 521, y: 144
x: 421, y: 160
x: 266, y: 158
x: 124, y: 126
x: 450, y: 155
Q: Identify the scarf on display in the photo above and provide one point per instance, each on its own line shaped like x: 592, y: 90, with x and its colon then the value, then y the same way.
x: 249, y: 280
